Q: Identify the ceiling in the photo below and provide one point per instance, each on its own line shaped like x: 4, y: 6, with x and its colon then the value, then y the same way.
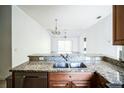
x: 73, y: 19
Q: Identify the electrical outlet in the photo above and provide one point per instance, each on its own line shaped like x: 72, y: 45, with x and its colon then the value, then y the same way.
x: 41, y: 58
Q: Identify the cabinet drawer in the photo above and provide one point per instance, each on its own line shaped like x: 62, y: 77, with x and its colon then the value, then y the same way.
x: 57, y: 76
x: 80, y: 84
x: 81, y: 76
x: 70, y: 76
x: 59, y: 84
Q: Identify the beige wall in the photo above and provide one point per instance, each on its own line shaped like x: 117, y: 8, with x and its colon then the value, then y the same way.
x: 5, y: 41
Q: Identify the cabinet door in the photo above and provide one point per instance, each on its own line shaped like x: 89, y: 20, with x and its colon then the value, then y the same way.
x: 118, y: 24
x: 69, y: 79
x: 80, y: 84
x: 30, y: 79
x: 34, y: 82
x: 100, y: 81
x: 59, y: 84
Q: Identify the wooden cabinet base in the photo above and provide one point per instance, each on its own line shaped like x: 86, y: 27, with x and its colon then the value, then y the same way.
x: 57, y: 80
x: 98, y: 81
x: 69, y: 79
x: 29, y: 80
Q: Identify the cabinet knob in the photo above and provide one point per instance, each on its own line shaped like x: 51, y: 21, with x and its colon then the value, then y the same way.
x: 69, y: 76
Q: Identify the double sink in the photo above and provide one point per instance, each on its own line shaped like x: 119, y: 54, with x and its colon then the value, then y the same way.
x: 69, y: 65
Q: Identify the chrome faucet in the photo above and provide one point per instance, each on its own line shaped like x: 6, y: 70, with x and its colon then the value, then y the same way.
x: 65, y: 57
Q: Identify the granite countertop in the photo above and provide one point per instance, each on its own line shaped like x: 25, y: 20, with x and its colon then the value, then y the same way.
x: 112, y: 73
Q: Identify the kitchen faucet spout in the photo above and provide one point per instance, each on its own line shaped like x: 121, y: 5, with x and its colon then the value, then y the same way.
x: 65, y: 57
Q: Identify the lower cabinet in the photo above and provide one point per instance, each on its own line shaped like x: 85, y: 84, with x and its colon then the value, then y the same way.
x: 69, y: 79
x: 56, y: 80
x: 29, y: 80
x: 98, y: 81
x: 9, y: 81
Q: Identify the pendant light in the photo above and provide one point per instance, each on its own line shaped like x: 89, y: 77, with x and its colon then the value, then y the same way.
x: 56, y: 31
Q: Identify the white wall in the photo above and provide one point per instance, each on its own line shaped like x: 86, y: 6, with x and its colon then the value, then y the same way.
x: 75, y: 43
x: 28, y: 37
x: 99, y: 38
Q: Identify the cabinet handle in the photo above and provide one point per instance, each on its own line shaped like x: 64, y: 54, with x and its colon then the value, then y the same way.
x: 67, y: 84
x: 31, y: 77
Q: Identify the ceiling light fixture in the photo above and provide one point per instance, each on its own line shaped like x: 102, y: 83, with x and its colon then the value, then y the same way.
x: 56, y: 31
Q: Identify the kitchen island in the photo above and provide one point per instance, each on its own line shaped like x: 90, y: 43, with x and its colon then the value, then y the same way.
x: 111, y: 73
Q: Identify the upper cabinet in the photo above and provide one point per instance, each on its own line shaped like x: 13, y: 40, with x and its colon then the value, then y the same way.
x: 118, y: 24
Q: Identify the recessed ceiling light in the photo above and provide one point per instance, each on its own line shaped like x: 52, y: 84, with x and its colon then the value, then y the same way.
x: 98, y: 17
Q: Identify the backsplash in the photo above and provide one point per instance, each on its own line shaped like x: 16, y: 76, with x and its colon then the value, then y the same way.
x: 61, y: 59
x: 76, y: 58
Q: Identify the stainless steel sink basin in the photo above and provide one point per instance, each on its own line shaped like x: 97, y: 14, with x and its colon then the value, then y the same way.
x: 77, y: 65
x: 69, y: 65
x: 60, y: 65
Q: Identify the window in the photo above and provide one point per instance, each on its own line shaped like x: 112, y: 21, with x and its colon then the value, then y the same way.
x: 64, y: 46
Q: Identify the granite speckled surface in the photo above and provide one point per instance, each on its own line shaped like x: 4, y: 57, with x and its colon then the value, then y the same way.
x: 113, y: 61
x: 112, y: 73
